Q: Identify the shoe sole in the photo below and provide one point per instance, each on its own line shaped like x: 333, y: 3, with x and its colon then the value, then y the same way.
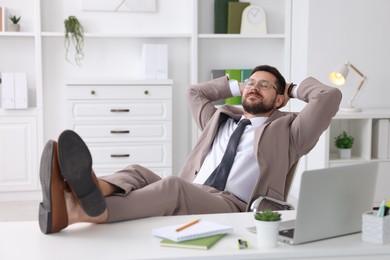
x: 76, y: 167
x: 52, y: 218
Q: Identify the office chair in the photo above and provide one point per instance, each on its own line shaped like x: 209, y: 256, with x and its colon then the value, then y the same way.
x: 255, y: 206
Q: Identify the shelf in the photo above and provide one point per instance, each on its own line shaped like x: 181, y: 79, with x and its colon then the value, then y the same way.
x: 17, y: 34
x: 31, y: 111
x: 239, y: 36
x: 334, y: 158
x: 117, y: 81
x: 365, y: 113
x: 119, y: 35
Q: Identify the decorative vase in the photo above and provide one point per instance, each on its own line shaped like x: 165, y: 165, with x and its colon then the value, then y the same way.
x: 267, y: 233
x: 345, y: 153
x: 14, y: 27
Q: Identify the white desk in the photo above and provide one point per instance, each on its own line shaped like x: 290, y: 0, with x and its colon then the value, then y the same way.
x: 133, y: 240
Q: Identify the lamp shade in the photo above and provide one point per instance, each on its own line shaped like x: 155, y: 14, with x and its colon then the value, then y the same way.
x: 339, y: 76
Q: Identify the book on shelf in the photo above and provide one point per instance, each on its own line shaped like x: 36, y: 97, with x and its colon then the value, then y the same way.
x: 235, y: 10
x: 214, y: 74
x: 203, y: 228
x: 380, y: 139
x: 220, y: 15
x: 237, y: 74
x: 203, y: 243
x: 2, y: 19
x: 245, y: 74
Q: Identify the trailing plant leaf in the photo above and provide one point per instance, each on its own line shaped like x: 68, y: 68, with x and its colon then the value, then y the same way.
x: 267, y: 215
x: 74, y: 34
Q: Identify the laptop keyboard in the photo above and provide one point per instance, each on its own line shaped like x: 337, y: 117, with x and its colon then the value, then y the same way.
x: 287, y: 232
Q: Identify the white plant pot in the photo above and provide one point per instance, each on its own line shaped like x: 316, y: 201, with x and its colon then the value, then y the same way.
x: 14, y: 27
x: 345, y: 153
x: 267, y: 233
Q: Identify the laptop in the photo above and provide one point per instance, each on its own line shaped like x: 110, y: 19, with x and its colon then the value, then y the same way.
x: 331, y: 203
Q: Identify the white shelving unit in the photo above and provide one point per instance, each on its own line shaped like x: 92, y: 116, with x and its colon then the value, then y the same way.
x: 21, y: 131
x: 113, y: 44
x: 237, y: 51
x: 361, y: 127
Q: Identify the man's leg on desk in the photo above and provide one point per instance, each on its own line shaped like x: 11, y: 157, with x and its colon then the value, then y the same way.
x: 134, y: 192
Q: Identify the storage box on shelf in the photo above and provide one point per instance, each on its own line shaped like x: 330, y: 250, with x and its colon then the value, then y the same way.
x: 123, y: 122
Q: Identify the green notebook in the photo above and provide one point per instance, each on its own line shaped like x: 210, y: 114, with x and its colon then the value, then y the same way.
x: 234, y: 16
x: 245, y: 74
x: 220, y: 15
x: 199, y: 243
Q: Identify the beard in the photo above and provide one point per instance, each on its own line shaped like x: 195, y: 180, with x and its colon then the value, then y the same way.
x: 258, y: 107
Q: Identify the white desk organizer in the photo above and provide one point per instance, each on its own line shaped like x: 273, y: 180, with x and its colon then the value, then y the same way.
x: 375, y: 229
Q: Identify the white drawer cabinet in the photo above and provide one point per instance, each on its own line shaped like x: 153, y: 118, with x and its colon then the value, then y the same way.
x: 123, y: 122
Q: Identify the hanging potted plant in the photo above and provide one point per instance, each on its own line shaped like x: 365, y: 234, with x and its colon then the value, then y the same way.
x: 14, y: 26
x: 344, y: 143
x: 267, y: 228
x: 74, y: 34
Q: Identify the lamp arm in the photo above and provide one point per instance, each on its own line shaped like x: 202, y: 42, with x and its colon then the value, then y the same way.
x: 360, y: 85
x: 357, y: 71
x: 357, y: 91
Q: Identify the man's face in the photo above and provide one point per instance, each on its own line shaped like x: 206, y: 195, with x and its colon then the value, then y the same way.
x: 257, y: 100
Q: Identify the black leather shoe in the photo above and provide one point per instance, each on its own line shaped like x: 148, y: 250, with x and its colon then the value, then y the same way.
x: 76, y: 167
x: 53, y: 216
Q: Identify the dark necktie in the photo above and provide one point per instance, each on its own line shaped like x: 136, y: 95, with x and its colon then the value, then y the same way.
x: 218, y: 177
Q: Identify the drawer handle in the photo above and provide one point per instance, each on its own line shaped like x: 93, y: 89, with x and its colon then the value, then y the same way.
x: 93, y: 92
x: 120, y: 110
x: 120, y: 131
x: 120, y: 155
x: 146, y: 92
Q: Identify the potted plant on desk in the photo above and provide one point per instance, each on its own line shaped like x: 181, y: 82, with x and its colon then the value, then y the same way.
x: 267, y: 228
x: 344, y: 143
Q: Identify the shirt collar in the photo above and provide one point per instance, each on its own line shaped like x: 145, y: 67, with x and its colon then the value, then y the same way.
x: 256, y: 121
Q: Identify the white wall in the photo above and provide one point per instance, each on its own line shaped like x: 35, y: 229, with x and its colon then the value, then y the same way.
x: 327, y: 33
x: 354, y: 30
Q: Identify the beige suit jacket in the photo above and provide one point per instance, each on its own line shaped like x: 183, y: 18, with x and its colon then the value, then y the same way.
x: 278, y: 144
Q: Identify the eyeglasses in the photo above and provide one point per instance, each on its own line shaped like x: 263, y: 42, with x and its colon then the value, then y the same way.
x: 262, y: 84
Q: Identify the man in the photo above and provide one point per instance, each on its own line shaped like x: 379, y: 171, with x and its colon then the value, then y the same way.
x: 269, y: 147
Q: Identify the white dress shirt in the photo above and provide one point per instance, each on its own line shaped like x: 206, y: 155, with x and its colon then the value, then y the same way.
x: 245, y: 169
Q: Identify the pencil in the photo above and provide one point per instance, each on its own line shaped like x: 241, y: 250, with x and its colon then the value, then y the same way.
x: 187, y: 225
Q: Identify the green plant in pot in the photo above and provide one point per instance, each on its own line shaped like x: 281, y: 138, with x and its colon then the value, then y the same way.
x: 344, y: 143
x: 74, y: 34
x: 267, y: 215
x: 14, y: 26
x: 267, y: 227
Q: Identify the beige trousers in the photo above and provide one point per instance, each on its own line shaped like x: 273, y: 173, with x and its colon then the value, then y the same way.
x: 145, y: 194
